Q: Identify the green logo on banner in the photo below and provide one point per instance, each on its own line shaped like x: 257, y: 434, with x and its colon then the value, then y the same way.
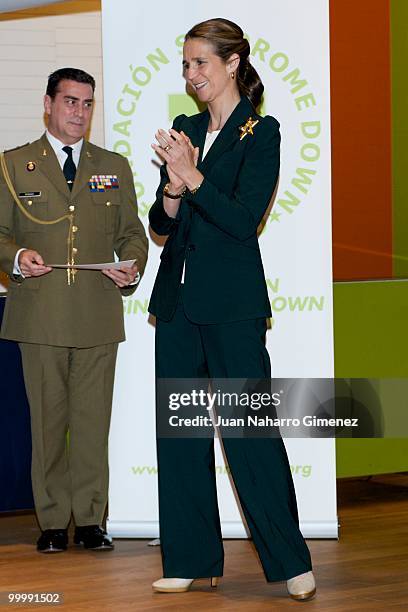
x: 151, y: 470
x: 133, y: 306
x: 179, y: 104
x: 305, y: 471
x: 298, y: 303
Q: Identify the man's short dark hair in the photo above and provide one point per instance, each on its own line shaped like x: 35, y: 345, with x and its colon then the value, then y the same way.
x: 70, y: 74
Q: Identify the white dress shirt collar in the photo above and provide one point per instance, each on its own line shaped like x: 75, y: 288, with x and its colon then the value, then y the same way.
x: 57, y: 145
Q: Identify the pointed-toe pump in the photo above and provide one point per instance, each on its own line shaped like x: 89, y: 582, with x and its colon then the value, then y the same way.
x: 177, y: 585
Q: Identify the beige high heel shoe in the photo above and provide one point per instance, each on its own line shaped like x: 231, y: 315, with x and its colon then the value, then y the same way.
x: 302, y: 587
x: 178, y: 585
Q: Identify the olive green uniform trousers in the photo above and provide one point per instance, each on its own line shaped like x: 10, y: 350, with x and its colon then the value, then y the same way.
x: 69, y: 392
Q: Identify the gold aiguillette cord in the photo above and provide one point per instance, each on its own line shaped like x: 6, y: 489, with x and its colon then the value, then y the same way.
x: 68, y: 217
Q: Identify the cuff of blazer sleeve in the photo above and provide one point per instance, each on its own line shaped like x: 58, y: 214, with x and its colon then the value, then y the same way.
x: 126, y: 291
x: 136, y: 281
x: 200, y: 197
x: 160, y: 221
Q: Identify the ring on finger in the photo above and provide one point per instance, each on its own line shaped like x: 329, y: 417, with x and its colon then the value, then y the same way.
x: 167, y: 148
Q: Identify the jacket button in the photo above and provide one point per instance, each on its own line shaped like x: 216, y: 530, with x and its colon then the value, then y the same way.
x: 191, y: 247
x: 71, y: 208
x: 74, y: 228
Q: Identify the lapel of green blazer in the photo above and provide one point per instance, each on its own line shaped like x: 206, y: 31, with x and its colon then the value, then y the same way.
x: 228, y: 136
x: 201, y: 122
x: 49, y: 166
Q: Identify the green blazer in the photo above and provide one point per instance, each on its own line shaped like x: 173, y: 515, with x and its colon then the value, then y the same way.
x: 46, y: 310
x: 215, y: 231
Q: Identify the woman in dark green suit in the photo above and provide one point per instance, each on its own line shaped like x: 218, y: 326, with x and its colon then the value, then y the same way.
x: 211, y: 303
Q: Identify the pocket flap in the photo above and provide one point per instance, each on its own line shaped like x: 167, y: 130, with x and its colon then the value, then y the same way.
x: 105, y: 198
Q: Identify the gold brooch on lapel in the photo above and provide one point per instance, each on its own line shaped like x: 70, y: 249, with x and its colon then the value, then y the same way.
x: 248, y: 128
x: 30, y: 166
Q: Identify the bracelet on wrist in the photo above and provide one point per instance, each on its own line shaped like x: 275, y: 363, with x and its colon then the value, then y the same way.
x: 173, y: 196
x: 195, y: 189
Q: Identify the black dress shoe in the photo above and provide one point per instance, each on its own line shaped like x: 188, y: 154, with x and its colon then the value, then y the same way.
x: 92, y: 537
x: 52, y: 541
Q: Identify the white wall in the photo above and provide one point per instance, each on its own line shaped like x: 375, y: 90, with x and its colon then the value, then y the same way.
x: 33, y: 43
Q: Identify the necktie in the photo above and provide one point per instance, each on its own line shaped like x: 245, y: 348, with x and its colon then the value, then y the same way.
x: 69, y: 168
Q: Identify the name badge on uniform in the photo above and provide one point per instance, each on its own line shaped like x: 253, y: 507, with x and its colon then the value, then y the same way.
x: 29, y: 194
x: 103, y: 182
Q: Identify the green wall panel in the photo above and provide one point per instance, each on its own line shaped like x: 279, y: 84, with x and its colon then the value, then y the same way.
x: 371, y: 341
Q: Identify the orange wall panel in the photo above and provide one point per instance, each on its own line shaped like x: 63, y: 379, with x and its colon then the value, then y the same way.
x: 361, y: 138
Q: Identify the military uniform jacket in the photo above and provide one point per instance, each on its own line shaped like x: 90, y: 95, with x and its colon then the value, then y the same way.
x: 215, y: 230
x: 45, y: 309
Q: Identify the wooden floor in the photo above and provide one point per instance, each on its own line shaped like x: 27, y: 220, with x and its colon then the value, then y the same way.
x: 367, y: 569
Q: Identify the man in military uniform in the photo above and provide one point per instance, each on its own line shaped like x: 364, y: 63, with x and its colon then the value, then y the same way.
x: 66, y: 201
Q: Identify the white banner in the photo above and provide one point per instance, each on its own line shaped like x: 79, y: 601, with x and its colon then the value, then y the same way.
x: 144, y: 90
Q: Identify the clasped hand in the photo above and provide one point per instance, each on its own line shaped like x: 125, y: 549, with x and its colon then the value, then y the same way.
x: 181, y: 157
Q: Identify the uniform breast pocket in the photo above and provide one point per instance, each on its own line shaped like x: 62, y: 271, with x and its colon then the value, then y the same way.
x: 106, y: 210
x: 33, y: 210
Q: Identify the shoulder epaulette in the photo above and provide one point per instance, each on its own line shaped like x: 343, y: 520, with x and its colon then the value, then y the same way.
x: 16, y: 148
x: 102, y: 150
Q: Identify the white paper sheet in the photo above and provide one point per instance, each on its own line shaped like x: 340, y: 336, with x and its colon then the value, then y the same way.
x: 113, y: 265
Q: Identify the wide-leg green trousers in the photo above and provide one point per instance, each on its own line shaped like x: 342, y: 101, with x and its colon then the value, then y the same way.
x: 190, y: 529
